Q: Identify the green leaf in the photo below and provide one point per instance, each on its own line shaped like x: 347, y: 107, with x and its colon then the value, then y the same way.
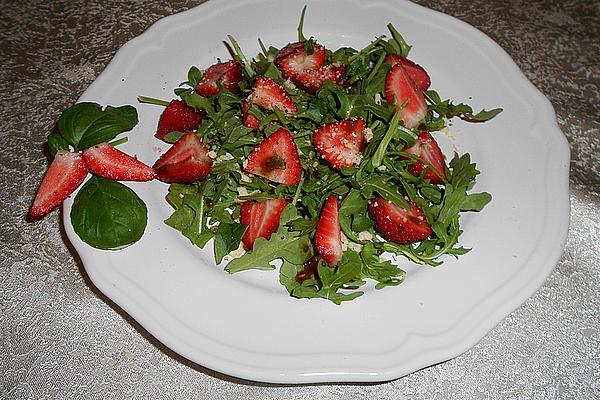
x: 56, y: 143
x: 282, y: 245
x: 354, y: 205
x: 188, y: 217
x: 227, y: 239
x: 85, y: 124
x: 107, y: 214
x: 383, y: 271
x: 475, y: 202
x: 386, y: 189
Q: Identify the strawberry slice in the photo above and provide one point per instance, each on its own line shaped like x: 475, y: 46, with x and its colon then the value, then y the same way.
x: 414, y: 71
x: 249, y: 120
x: 328, y: 236
x: 228, y: 73
x: 398, y: 224
x: 108, y: 162
x: 341, y: 142
x: 276, y: 158
x: 309, y: 72
x: 177, y: 116
x: 185, y: 162
x: 293, y: 59
x: 427, y: 149
x: 267, y: 94
x: 399, y: 87
x: 312, y: 81
x: 262, y: 219
x: 65, y: 174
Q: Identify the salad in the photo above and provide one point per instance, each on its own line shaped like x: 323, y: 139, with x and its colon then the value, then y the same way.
x: 313, y: 160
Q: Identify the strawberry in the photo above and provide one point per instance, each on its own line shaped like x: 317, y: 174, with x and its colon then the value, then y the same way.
x: 248, y: 119
x: 328, y: 236
x: 414, y: 71
x: 309, y: 72
x: 267, y: 94
x: 228, y: 73
x: 341, y: 142
x: 185, y: 162
x: 312, y: 81
x: 399, y: 88
x: 65, y: 174
x: 106, y: 161
x: 177, y: 116
x: 293, y: 59
x: 428, y: 150
x: 276, y: 158
x: 262, y: 219
x: 398, y: 224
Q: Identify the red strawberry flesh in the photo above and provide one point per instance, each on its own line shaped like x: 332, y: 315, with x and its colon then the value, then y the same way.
x: 417, y: 73
x: 328, y: 236
x: 294, y: 59
x: 177, y: 117
x: 228, y: 73
x: 398, y: 224
x: 400, y: 88
x: 185, y: 162
x: 269, y: 95
x: 66, y: 172
x: 108, y: 162
x: 427, y: 149
x: 312, y: 81
x: 276, y: 158
x: 341, y: 142
x: 249, y: 120
x: 262, y: 219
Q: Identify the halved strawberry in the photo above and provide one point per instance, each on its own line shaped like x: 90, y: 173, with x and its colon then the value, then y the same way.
x: 312, y: 81
x: 267, y: 94
x: 293, y: 59
x: 309, y: 72
x: 399, y: 88
x: 398, y: 224
x: 177, y: 116
x: 427, y: 149
x: 229, y: 73
x: 108, y: 162
x: 65, y: 174
x: 328, y: 236
x: 341, y: 142
x: 262, y: 219
x: 185, y: 162
x: 276, y: 158
x: 414, y: 71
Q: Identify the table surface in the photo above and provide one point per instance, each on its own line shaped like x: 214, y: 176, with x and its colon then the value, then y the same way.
x: 61, y: 338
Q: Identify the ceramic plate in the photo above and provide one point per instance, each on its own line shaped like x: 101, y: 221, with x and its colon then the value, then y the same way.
x: 246, y: 325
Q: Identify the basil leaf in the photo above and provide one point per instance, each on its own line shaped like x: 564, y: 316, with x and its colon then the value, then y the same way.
x: 84, y: 125
x: 56, y: 143
x: 108, y: 215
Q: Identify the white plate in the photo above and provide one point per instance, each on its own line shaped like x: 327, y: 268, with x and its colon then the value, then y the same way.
x: 245, y: 325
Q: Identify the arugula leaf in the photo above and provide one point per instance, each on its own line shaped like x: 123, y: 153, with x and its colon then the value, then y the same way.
x: 227, y: 239
x: 188, y: 217
x: 353, y: 207
x: 383, y: 271
x: 281, y: 245
x: 108, y: 215
x: 447, y: 109
x: 328, y: 281
x: 84, y: 125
